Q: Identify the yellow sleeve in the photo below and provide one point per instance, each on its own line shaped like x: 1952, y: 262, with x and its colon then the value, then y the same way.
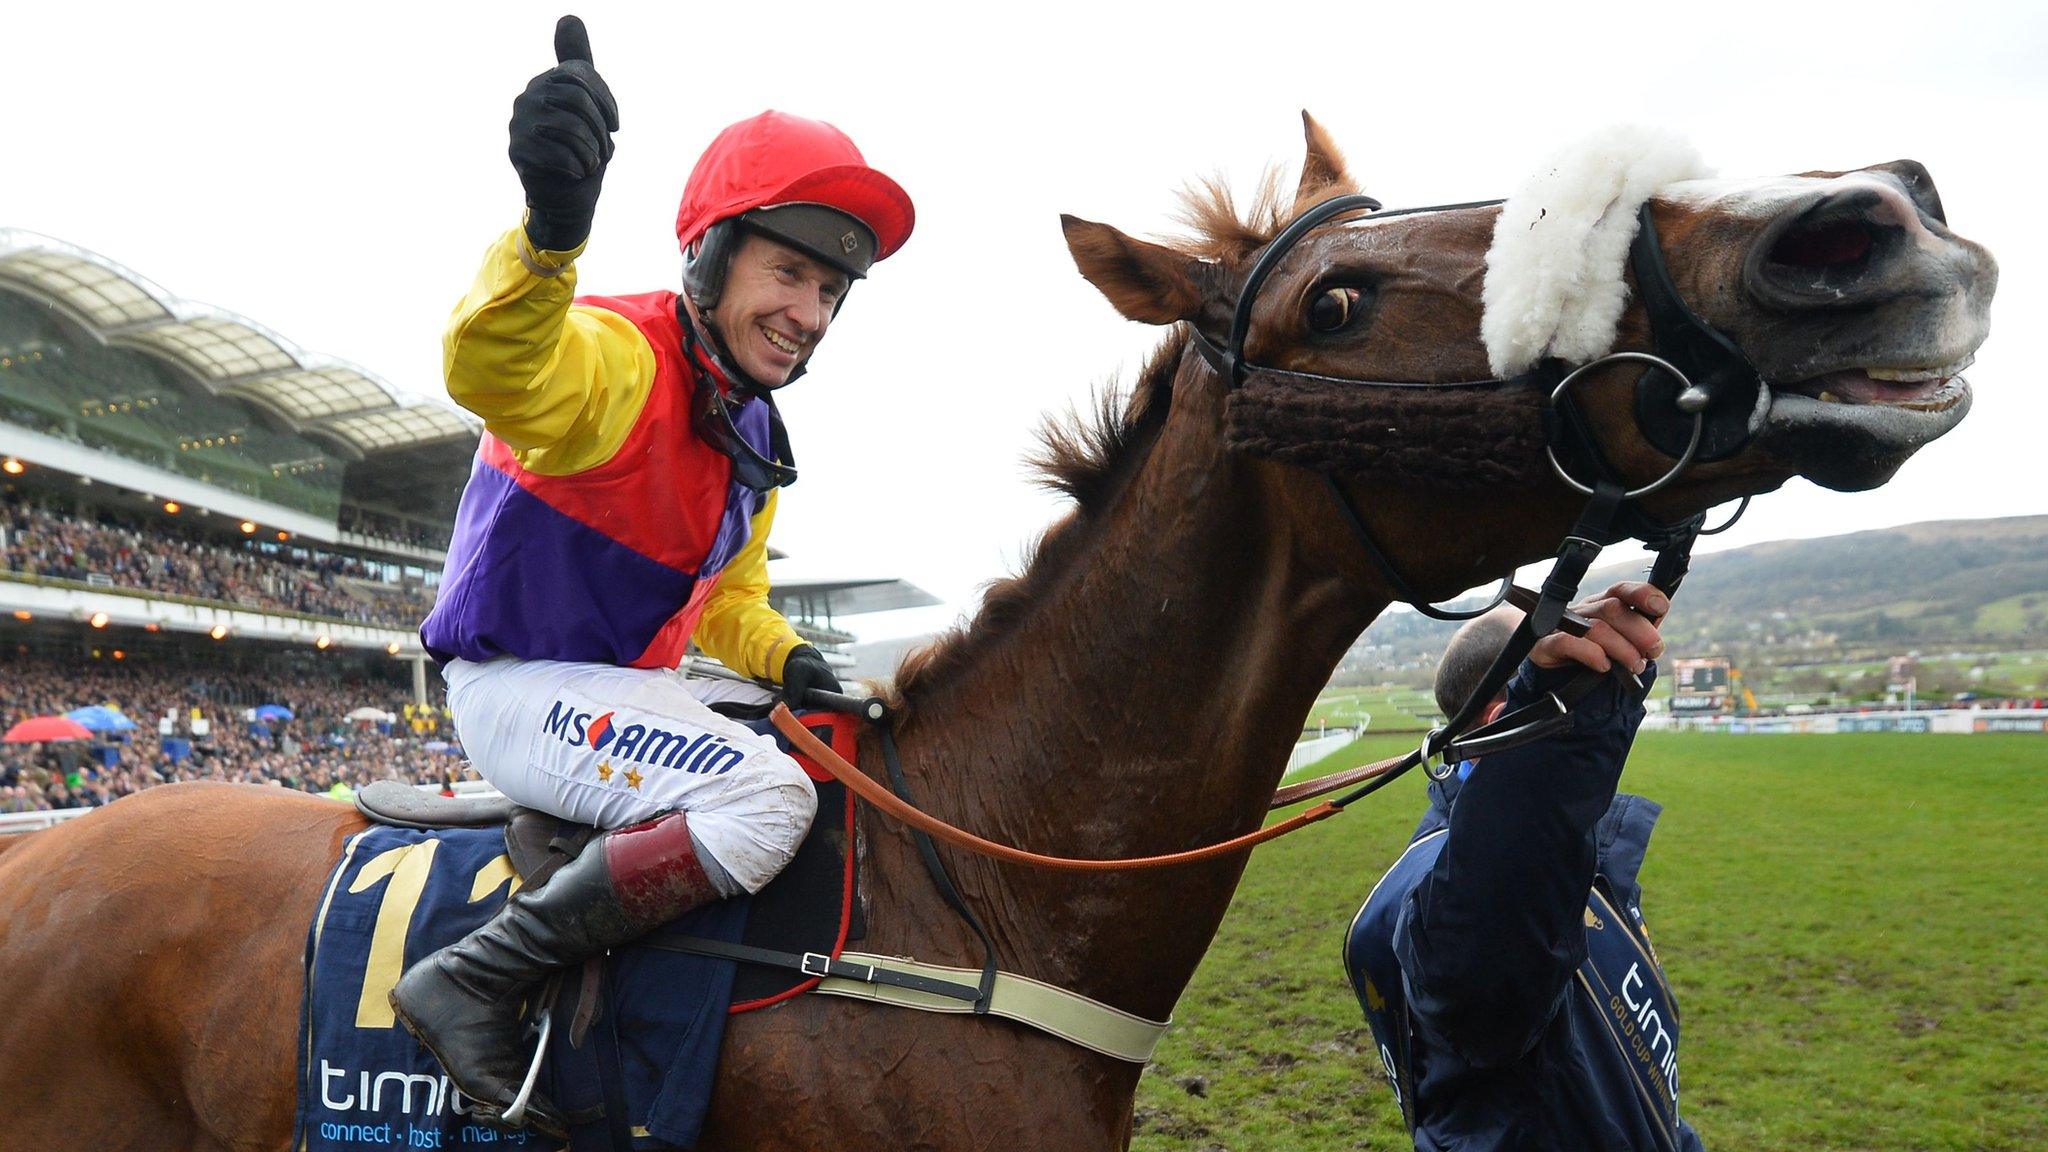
x: 560, y: 383
x: 738, y: 627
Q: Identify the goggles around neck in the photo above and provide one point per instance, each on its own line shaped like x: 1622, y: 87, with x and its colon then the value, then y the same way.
x: 715, y: 424
x: 713, y: 406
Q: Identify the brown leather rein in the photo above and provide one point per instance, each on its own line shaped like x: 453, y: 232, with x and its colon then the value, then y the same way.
x: 1323, y: 785
x: 876, y: 794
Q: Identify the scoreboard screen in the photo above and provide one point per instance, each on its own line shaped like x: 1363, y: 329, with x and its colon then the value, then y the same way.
x: 1700, y: 685
x: 1705, y: 677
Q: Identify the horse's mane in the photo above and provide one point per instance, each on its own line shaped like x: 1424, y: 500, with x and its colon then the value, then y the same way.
x: 1086, y: 455
x: 1090, y: 455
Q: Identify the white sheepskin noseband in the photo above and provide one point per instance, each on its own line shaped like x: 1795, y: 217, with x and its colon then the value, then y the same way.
x: 1554, y: 273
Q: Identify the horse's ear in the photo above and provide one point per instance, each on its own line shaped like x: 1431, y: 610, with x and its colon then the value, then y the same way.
x: 1150, y: 283
x: 1323, y: 172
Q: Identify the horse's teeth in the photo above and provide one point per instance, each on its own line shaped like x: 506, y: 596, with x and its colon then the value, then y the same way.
x: 1916, y: 375
x: 1828, y: 397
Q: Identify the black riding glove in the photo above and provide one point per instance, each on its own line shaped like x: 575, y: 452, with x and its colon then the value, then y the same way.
x: 562, y: 129
x: 803, y: 671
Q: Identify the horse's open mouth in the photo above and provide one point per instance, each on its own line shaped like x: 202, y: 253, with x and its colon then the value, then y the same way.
x: 1914, y: 389
x: 1850, y: 430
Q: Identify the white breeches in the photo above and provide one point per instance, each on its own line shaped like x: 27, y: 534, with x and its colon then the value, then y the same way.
x: 611, y: 746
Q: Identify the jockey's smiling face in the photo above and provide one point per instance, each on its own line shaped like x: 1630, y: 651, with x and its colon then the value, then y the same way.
x: 775, y: 307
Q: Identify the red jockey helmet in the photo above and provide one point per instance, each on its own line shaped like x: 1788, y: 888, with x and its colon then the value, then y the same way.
x: 776, y: 159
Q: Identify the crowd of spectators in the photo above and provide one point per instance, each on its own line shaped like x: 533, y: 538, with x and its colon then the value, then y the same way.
x: 370, y: 522
x: 314, y: 751
x: 40, y: 541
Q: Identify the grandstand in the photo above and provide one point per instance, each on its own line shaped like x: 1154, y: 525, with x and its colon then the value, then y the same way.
x: 198, y: 518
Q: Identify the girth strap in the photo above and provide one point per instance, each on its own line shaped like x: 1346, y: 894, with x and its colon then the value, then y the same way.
x: 908, y: 983
x: 1070, y: 1016
x: 812, y: 964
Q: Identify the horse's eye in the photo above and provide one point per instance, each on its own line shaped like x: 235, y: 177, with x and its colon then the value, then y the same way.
x: 1331, y: 309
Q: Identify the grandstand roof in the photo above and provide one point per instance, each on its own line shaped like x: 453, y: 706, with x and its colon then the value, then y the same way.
x: 846, y: 597
x: 335, y: 402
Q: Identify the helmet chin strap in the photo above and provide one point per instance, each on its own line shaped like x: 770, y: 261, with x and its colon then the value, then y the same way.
x: 713, y: 410
x: 714, y: 345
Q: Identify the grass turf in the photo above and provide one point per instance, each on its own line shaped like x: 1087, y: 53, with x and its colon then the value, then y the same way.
x: 1853, y: 925
x: 1401, y: 708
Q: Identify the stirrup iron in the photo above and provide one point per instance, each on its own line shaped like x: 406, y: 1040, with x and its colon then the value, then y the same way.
x: 516, y: 1114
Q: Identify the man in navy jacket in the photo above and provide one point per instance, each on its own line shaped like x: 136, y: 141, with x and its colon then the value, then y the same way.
x: 1502, y: 962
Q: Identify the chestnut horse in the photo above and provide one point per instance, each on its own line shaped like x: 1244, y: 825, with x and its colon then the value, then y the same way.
x: 1135, y: 691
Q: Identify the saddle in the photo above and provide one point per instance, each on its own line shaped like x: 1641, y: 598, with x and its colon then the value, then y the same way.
x: 536, y: 842
x: 810, y: 908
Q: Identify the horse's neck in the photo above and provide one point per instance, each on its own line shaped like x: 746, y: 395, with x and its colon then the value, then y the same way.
x: 1146, y: 705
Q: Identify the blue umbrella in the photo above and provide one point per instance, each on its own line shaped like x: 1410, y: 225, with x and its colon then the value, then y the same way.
x: 97, y: 718
x: 273, y: 712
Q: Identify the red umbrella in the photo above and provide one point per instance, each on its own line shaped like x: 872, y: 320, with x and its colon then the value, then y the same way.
x: 43, y: 729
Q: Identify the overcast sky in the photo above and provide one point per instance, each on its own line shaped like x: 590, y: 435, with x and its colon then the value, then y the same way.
x: 335, y: 171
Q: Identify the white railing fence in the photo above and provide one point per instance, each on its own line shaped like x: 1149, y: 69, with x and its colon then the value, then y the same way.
x: 13, y: 822
x: 1315, y: 748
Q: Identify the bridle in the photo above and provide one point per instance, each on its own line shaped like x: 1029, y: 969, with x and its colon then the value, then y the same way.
x: 1699, y: 399
x: 1706, y: 408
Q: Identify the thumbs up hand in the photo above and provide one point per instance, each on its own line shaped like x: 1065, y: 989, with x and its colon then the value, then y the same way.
x: 562, y: 129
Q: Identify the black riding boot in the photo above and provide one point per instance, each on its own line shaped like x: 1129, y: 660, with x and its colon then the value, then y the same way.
x: 463, y: 1002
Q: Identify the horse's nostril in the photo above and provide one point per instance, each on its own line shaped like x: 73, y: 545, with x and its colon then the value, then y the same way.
x: 1824, y: 244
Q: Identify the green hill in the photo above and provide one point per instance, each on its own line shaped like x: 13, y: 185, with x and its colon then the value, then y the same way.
x: 1821, y: 617
x: 1939, y: 583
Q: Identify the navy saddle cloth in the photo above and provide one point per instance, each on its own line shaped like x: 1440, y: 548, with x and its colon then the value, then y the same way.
x: 631, y: 1058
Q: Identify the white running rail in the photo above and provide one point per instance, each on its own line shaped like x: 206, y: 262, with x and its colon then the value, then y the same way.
x: 14, y: 822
